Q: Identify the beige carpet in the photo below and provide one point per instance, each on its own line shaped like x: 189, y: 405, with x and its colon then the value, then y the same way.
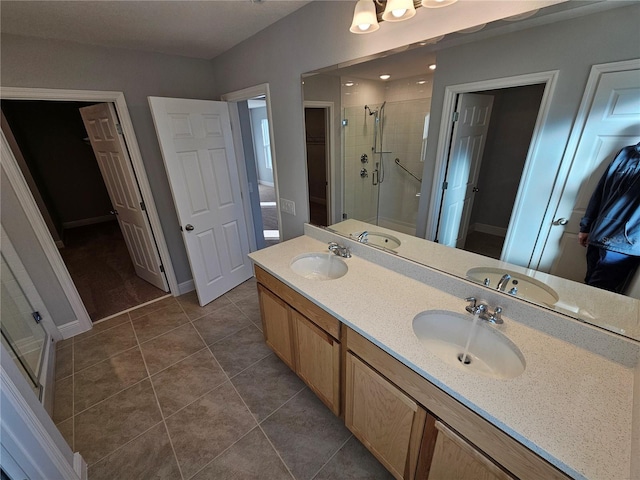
x: 99, y: 263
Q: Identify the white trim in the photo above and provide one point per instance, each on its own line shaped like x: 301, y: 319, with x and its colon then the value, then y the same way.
x: 117, y: 98
x: 186, y: 287
x: 132, y: 309
x: 444, y: 141
x: 240, y: 96
x: 265, y: 183
x: 88, y: 221
x: 28, y: 433
x: 572, y: 145
x: 329, y: 151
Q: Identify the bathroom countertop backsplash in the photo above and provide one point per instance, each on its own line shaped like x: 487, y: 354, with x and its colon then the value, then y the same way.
x: 578, y: 379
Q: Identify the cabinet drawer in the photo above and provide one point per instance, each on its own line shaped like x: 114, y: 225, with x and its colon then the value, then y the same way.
x: 306, y: 307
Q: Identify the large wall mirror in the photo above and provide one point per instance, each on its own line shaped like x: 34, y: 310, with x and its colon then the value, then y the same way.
x: 478, y: 155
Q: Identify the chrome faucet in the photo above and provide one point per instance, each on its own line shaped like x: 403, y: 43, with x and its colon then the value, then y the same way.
x: 482, y: 310
x: 363, y: 237
x: 504, y: 281
x: 339, y: 250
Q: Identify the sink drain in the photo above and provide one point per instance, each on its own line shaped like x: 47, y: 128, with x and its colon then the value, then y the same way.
x: 466, y: 361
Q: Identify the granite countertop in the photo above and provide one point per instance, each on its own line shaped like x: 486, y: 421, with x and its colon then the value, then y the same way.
x: 571, y: 406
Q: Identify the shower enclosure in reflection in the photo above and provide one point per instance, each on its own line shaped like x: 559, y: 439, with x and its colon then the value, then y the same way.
x: 383, y: 152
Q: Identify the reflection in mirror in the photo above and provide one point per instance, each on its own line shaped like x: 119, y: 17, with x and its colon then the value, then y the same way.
x: 509, y: 178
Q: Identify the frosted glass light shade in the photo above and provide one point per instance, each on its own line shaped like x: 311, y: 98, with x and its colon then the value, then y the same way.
x: 398, y: 10
x: 437, y: 3
x: 364, y: 18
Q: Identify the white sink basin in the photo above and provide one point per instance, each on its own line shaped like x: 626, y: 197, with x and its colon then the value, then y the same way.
x: 528, y: 288
x: 319, y: 266
x: 490, y: 353
x: 380, y: 239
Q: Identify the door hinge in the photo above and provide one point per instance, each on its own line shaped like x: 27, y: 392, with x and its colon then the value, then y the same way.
x: 445, y: 185
x: 37, y: 317
x: 119, y: 128
x: 456, y: 115
x: 143, y: 206
x: 162, y: 268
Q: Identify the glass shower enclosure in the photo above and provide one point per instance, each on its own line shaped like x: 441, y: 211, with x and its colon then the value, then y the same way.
x: 383, y: 154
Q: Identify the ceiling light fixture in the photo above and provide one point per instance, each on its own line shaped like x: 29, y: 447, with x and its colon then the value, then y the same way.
x: 348, y: 84
x: 368, y: 13
x: 385, y: 76
x: 432, y: 66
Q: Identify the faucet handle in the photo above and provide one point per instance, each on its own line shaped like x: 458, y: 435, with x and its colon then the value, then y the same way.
x: 496, y: 316
x: 472, y: 304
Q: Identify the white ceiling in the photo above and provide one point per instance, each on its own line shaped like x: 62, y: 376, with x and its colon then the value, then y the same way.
x: 200, y: 29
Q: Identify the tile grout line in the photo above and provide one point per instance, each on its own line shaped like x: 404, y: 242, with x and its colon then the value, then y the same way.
x: 155, y: 395
x: 332, y: 456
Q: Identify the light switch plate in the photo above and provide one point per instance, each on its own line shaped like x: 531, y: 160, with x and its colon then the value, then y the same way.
x: 287, y: 206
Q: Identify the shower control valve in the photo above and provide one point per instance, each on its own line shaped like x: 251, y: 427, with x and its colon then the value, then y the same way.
x: 364, y: 173
x: 364, y: 158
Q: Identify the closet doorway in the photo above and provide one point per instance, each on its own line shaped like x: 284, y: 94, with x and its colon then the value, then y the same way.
x: 85, y: 214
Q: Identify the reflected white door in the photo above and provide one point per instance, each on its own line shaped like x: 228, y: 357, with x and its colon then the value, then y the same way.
x: 613, y: 122
x: 467, y: 147
x: 111, y: 152
x: 197, y: 148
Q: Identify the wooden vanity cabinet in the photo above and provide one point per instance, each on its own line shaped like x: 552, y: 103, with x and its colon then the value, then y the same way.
x: 303, y: 335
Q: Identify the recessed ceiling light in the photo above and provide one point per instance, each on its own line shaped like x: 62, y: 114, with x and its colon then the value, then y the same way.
x: 349, y: 84
x: 385, y: 76
x: 421, y: 82
x: 432, y: 66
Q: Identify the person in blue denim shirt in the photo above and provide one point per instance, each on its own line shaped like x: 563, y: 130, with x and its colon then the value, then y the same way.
x: 610, y: 228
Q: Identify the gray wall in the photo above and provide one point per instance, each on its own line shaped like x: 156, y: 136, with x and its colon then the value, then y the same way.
x: 38, y: 63
x: 571, y: 47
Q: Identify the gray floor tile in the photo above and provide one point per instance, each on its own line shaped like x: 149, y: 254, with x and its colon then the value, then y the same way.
x: 305, y: 433
x: 103, y: 345
x: 161, y: 321
x: 64, y: 362
x: 167, y: 349
x: 250, y: 306
x: 103, y: 326
x: 240, y: 350
x: 147, y: 457
x: 152, y: 307
x: 107, y: 378
x: 110, y: 424
x: 192, y: 308
x: 207, y: 427
x: 243, y: 290
x: 353, y: 462
x: 267, y: 385
x: 182, y: 383
x: 221, y: 323
x: 252, y: 458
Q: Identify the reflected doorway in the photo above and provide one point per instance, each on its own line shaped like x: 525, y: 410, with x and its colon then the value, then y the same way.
x: 316, y: 121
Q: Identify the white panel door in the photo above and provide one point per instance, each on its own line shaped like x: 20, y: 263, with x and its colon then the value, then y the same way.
x: 613, y: 122
x: 197, y: 148
x: 113, y: 159
x: 467, y: 147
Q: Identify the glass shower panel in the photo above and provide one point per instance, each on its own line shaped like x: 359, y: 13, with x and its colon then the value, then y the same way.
x: 23, y: 337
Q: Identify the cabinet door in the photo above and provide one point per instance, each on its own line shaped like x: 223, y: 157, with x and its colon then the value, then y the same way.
x: 276, y: 325
x: 383, y: 418
x: 318, y: 361
x: 454, y: 457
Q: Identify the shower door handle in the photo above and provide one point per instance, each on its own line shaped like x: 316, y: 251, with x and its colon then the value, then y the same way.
x: 374, y: 177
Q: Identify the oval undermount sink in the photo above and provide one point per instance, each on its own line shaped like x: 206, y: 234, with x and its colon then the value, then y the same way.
x: 380, y: 239
x: 490, y: 353
x: 319, y: 266
x: 527, y: 288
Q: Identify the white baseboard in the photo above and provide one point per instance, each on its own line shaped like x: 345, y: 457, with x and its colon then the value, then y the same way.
x: 265, y: 183
x: 489, y: 229
x: 88, y: 221
x: 185, y: 287
x: 72, y: 329
x: 80, y: 466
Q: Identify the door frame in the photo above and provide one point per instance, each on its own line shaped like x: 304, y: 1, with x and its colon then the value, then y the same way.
x: 569, y: 153
x: 36, y: 220
x: 233, y: 98
x: 550, y: 79
x: 329, y: 154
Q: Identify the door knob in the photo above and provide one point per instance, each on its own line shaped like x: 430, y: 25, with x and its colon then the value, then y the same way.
x: 188, y: 227
x: 475, y: 189
x: 560, y: 221
x: 113, y: 212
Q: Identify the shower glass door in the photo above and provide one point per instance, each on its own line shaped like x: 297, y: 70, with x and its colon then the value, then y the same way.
x: 386, y: 194
x: 22, y: 336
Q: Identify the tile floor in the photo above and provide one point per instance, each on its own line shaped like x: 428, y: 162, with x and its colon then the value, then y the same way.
x: 173, y: 390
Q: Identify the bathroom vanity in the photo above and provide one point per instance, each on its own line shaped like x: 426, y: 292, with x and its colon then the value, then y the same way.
x: 571, y: 413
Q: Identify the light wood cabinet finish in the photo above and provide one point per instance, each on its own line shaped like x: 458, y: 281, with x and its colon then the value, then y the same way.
x: 318, y: 361
x: 504, y: 450
x: 276, y: 326
x: 301, y: 342
x: 454, y: 457
x: 383, y: 418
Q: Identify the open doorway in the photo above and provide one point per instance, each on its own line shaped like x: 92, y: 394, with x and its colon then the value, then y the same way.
x: 56, y: 154
x: 316, y: 121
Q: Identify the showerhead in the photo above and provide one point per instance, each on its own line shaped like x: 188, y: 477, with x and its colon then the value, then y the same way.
x: 371, y: 112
